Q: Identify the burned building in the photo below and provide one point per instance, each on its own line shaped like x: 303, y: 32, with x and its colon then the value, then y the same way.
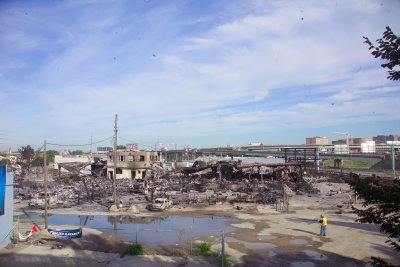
x: 132, y: 164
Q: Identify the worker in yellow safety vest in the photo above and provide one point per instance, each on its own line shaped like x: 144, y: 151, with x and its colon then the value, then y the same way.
x: 324, y: 223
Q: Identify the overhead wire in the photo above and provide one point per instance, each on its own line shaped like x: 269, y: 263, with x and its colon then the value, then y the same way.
x: 92, y: 143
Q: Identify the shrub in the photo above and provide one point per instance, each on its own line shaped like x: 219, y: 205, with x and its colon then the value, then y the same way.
x: 136, y: 249
x: 308, y: 186
x: 13, y: 239
x: 217, y: 258
x: 204, y: 248
x: 179, y: 253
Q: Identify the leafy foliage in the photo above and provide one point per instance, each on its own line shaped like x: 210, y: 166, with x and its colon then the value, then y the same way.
x: 388, y: 49
x: 39, y: 160
x: 50, y: 155
x: 217, y: 258
x: 76, y: 152
x: 121, y: 147
x: 27, y: 154
x: 5, y: 161
x: 378, y: 262
x: 381, y: 205
x: 136, y: 249
x: 13, y: 239
x: 204, y: 248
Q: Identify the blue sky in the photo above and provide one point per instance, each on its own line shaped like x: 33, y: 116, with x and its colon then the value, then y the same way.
x: 200, y: 73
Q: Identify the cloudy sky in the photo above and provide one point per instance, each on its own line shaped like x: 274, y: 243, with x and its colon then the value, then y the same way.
x: 200, y: 73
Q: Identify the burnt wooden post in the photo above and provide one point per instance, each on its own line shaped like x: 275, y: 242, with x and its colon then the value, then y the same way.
x: 285, y: 155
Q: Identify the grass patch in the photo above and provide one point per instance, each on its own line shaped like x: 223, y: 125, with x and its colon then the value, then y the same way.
x: 179, y: 253
x: 351, y: 164
x: 136, y: 249
x: 217, y: 258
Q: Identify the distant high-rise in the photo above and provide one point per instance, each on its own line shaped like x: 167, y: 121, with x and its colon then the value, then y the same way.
x: 381, y: 139
x: 352, y: 141
x: 340, y: 142
x: 318, y: 140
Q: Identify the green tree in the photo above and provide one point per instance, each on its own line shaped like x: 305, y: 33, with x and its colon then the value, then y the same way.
x: 50, y: 155
x: 27, y: 154
x: 388, y: 49
x: 121, y: 147
x: 39, y: 161
x: 5, y: 161
x: 76, y: 152
x: 381, y: 206
x: 381, y: 197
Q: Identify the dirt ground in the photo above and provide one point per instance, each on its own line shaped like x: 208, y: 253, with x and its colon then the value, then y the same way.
x: 262, y: 237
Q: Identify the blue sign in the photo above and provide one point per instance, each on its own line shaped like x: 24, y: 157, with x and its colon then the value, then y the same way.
x: 75, y: 233
x: 2, y: 188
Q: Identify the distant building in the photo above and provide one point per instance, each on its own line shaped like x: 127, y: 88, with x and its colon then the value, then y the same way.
x: 341, y: 149
x: 104, y: 149
x: 382, y: 139
x: 318, y: 141
x: 368, y: 147
x: 340, y: 142
x: 255, y: 144
x: 358, y: 141
x: 132, y: 164
x: 352, y: 141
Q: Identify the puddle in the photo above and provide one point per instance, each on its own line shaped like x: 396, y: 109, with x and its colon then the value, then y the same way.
x: 344, y: 217
x: 315, y: 255
x: 266, y: 237
x: 302, y: 264
x: 303, y: 220
x: 150, y: 231
x: 298, y: 242
x: 254, y: 246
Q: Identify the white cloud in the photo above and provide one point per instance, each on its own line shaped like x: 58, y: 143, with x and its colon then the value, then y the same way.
x: 263, y: 65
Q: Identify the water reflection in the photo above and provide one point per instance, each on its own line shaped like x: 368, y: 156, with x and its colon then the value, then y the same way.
x: 147, y: 230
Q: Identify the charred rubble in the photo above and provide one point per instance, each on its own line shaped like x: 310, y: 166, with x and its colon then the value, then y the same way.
x: 205, y: 182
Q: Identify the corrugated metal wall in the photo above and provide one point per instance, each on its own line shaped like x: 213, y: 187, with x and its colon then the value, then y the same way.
x: 6, y: 220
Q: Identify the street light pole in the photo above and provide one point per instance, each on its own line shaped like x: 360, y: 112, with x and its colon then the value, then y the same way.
x: 45, y: 184
x: 393, y: 161
x: 115, y: 160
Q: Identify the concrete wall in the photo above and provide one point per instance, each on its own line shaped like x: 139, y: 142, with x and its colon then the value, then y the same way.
x: 6, y: 220
x: 70, y: 159
x: 128, y: 173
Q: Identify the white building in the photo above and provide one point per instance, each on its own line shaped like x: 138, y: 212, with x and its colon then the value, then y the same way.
x: 71, y: 159
x: 340, y: 149
x: 368, y: 147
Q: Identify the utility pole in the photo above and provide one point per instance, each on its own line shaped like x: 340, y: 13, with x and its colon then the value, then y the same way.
x: 45, y: 184
x: 91, y: 143
x: 393, y: 161
x: 223, y: 250
x: 115, y: 160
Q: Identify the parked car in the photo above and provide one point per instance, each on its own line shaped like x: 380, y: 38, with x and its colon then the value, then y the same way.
x: 160, y: 204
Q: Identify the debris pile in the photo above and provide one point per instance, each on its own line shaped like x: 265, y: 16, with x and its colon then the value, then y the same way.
x: 204, y: 182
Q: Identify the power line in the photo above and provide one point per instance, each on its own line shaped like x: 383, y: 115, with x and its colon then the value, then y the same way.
x: 92, y: 143
x: 40, y: 148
